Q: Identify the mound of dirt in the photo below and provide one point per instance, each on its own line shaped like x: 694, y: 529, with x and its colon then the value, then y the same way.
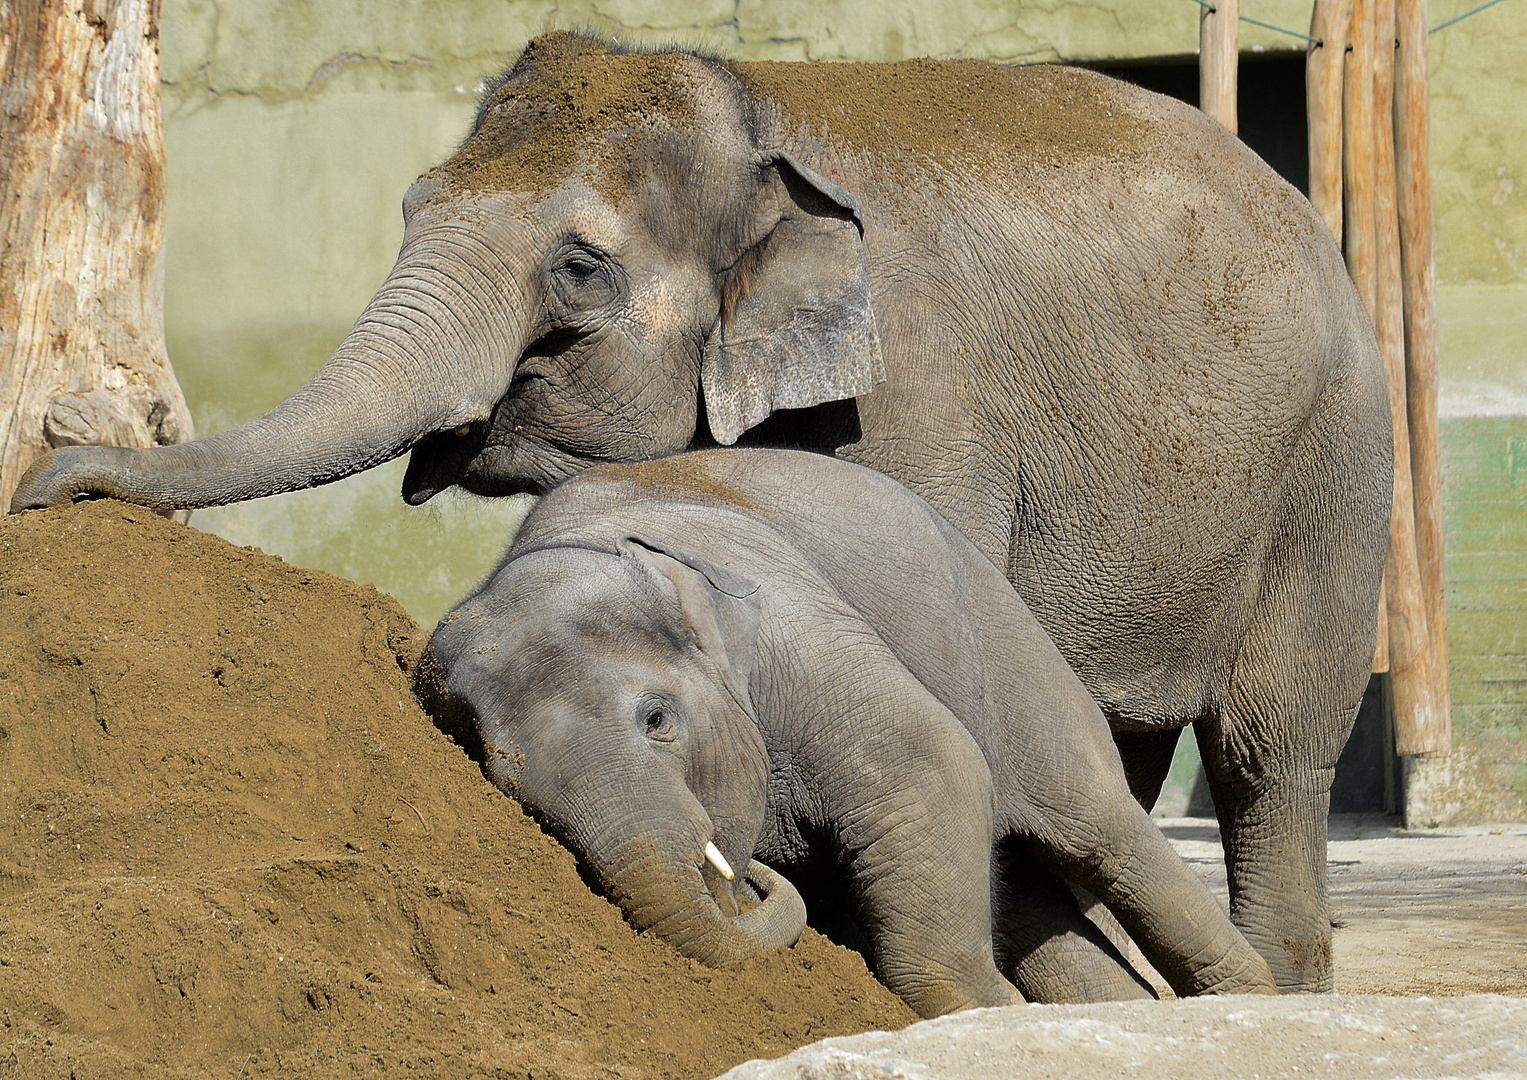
x: 232, y: 844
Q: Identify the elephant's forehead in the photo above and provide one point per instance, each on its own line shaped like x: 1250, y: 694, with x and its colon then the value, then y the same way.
x: 529, y: 219
x: 598, y: 664
x: 582, y: 114
x: 571, y: 599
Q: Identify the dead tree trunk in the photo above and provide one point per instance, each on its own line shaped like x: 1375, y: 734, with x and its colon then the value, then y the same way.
x: 82, y: 354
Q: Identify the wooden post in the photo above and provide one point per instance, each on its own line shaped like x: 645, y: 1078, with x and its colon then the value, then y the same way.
x: 1415, y: 707
x: 1323, y: 93
x: 1218, y: 59
x: 1381, y: 640
x: 1413, y: 174
x: 1357, y: 155
x: 1357, y: 196
x: 82, y: 356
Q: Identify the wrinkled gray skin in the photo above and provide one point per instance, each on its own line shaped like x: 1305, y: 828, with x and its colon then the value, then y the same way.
x: 799, y: 659
x: 1119, y: 354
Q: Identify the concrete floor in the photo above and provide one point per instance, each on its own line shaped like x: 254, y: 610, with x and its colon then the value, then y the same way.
x: 1435, y: 912
x: 1434, y: 919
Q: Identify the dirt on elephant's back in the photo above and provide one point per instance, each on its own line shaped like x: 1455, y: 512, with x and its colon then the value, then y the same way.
x: 958, y: 112
x: 231, y: 843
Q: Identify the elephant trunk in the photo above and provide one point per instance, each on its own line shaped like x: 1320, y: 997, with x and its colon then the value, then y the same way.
x: 427, y: 355
x: 667, y: 894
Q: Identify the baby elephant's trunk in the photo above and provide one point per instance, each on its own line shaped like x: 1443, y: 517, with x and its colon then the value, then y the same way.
x: 667, y: 893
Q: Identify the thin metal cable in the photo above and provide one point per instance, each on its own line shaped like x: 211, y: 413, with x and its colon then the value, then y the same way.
x: 1460, y: 18
x: 1281, y: 30
x: 1291, y: 33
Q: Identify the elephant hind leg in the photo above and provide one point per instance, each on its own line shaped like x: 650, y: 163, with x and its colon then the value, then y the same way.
x: 1270, y: 750
x: 1273, y: 823
x: 1044, y: 944
x: 1269, y: 759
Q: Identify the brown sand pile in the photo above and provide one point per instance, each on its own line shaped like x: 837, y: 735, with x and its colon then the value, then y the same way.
x: 232, y: 844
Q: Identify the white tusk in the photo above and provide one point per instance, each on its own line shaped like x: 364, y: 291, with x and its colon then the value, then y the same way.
x: 715, y: 858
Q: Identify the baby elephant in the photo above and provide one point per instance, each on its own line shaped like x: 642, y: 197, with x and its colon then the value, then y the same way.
x: 735, y: 658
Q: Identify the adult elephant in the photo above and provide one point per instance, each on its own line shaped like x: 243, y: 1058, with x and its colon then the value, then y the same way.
x: 1081, y: 320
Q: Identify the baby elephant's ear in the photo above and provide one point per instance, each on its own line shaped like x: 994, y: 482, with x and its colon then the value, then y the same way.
x: 721, y: 609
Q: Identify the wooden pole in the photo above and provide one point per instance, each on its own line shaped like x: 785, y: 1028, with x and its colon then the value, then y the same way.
x: 1415, y: 708
x: 1381, y: 641
x: 1412, y: 136
x: 1218, y: 59
x: 1358, y: 238
x: 82, y: 356
x: 1323, y: 93
x: 1357, y: 155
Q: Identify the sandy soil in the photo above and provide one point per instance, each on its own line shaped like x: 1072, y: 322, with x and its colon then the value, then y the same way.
x: 231, y: 844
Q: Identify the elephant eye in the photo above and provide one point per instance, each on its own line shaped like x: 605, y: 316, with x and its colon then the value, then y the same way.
x: 582, y: 279
x: 581, y: 265
x: 657, y: 722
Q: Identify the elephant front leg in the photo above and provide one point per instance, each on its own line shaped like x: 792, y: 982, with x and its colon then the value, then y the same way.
x: 907, y: 797
x: 923, y: 893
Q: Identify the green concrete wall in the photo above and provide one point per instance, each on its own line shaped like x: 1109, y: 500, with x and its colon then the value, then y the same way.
x: 294, y: 127
x: 1486, y: 778
x: 1479, y: 147
x: 1484, y: 461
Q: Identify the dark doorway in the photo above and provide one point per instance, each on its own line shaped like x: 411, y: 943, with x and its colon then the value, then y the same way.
x: 1368, y: 774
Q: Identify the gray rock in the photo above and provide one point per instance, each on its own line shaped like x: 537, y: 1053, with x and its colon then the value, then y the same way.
x: 1257, y: 1038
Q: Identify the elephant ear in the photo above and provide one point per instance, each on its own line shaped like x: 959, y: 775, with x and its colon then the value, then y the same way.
x: 721, y: 609
x: 796, y: 326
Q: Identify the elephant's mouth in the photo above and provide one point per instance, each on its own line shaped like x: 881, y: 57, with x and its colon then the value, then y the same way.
x: 750, y: 893
x: 439, y: 460
x: 728, y: 891
x: 754, y: 911
x: 478, y: 460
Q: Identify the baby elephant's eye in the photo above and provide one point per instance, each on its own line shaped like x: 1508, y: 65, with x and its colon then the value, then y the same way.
x: 658, y: 723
